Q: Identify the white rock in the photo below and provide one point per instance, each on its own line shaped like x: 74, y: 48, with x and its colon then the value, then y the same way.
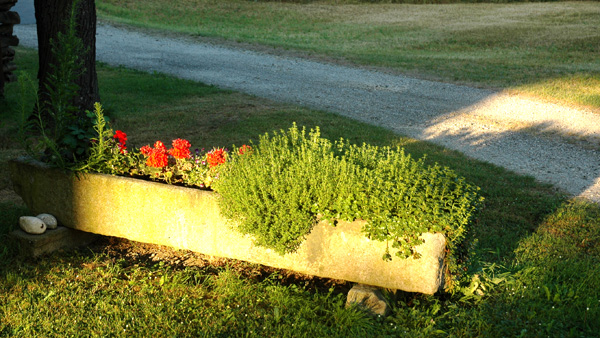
x: 51, y: 222
x: 32, y: 225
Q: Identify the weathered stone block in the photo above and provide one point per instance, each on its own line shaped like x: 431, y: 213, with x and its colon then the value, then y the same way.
x: 12, y: 18
x: 6, y: 29
x: 190, y: 219
x: 61, y: 238
x: 9, y: 40
x: 7, y: 52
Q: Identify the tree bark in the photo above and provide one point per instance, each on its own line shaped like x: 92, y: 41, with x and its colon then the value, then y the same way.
x: 7, y: 21
x: 51, y: 16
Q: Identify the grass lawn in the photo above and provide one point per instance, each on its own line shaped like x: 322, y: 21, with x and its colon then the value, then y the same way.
x: 534, y: 268
x: 547, y: 50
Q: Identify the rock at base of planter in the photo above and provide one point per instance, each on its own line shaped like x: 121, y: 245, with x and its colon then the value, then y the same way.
x: 61, y: 238
x: 369, y: 298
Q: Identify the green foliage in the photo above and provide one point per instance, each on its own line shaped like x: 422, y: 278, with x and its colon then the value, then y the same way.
x: 404, y: 198
x: 572, y: 231
x: 57, y: 130
x: 118, y: 296
x: 278, y: 192
x: 275, y: 191
x: 28, y: 88
x: 62, y: 87
x: 104, y: 155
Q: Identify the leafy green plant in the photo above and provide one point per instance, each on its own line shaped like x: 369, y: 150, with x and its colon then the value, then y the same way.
x: 104, y: 153
x: 56, y: 130
x: 404, y: 198
x: 278, y: 193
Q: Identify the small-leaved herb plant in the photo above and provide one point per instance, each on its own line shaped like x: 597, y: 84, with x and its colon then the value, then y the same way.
x: 294, y: 178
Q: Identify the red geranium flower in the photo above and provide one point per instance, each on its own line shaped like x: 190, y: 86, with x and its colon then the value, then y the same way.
x: 158, y: 156
x: 159, y: 145
x: 181, y: 149
x: 121, y: 137
x: 146, y: 150
x: 245, y: 149
x: 157, y: 159
x: 216, y: 157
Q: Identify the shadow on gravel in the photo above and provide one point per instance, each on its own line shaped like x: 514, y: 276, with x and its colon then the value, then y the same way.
x: 571, y: 163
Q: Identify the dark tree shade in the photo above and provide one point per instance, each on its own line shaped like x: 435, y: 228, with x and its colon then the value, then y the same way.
x: 51, y: 16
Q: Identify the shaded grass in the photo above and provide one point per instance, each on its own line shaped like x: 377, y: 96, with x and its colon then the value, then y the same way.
x: 534, y: 264
x: 547, y: 50
x: 10, y: 116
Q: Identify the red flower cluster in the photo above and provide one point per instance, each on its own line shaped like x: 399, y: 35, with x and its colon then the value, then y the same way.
x: 181, y: 149
x: 121, y: 137
x: 245, y: 149
x: 216, y: 157
x: 157, y: 156
x: 146, y: 150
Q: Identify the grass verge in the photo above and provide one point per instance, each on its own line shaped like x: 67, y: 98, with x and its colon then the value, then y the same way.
x: 533, y: 271
x: 546, y: 50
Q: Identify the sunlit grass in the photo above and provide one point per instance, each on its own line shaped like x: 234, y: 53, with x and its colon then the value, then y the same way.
x: 581, y: 88
x: 533, y: 268
x: 548, y: 50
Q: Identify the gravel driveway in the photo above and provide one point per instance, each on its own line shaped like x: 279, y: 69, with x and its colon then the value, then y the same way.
x: 553, y: 143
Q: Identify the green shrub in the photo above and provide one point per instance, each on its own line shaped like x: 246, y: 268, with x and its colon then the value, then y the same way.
x: 404, y: 198
x: 277, y: 192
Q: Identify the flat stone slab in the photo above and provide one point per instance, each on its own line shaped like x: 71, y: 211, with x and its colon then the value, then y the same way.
x: 61, y: 238
x: 186, y: 218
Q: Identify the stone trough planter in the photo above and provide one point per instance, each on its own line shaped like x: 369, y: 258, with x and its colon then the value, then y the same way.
x: 189, y: 219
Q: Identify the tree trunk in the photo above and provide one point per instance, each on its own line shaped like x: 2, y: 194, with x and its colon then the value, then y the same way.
x: 51, y: 16
x: 7, y: 21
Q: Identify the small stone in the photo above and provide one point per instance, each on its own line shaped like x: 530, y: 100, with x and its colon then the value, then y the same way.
x: 51, y: 222
x: 32, y: 225
x: 369, y: 298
